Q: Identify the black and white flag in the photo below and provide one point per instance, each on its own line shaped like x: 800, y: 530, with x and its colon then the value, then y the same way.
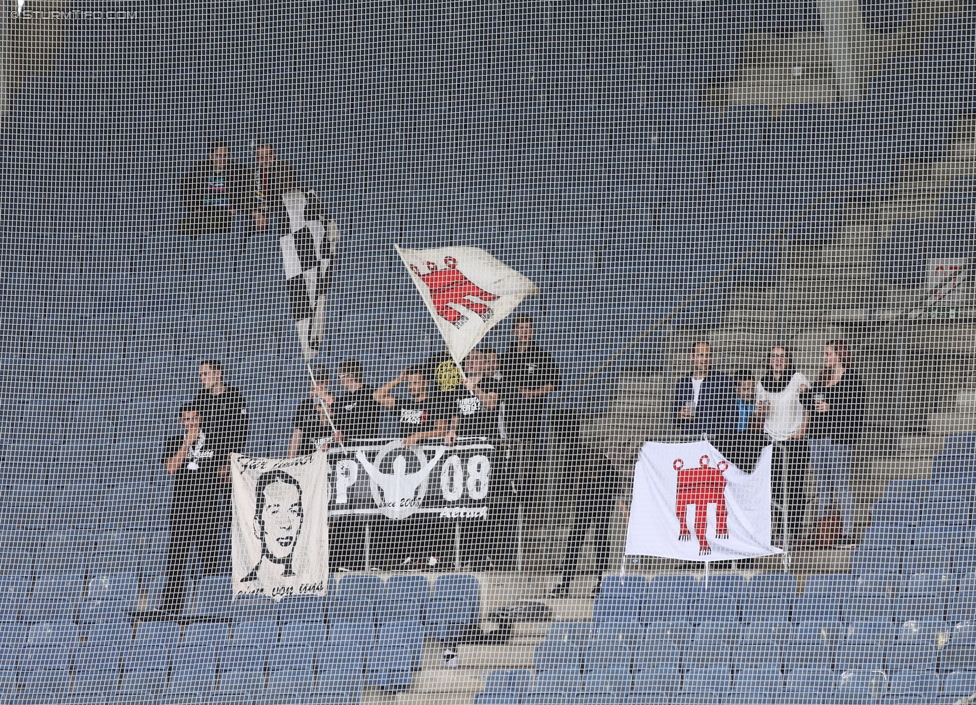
x: 309, y: 251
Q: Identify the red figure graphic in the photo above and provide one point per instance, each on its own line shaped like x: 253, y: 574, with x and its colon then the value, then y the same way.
x: 702, y: 486
x: 449, y: 286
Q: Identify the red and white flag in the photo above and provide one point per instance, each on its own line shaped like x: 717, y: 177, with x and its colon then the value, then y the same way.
x: 467, y: 291
x: 692, y: 504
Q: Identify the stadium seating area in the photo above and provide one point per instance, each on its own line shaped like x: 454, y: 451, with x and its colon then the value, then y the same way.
x: 845, y: 639
x: 71, y: 641
x: 898, y: 629
x: 609, y: 166
x: 571, y: 141
x: 903, y: 256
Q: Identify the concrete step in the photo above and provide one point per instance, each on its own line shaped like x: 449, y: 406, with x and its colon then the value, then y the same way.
x: 412, y: 697
x: 482, y: 656
x: 921, y: 446
x: 436, y: 678
x: 952, y: 422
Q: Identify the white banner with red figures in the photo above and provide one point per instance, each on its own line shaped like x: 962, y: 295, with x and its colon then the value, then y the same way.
x: 692, y: 504
x: 466, y: 290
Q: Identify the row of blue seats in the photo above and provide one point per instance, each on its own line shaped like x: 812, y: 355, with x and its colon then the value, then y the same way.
x: 925, y: 630
x: 943, y: 507
x: 328, y: 696
x: 756, y: 686
x: 389, y: 661
x: 447, y: 607
x: 805, y: 648
x: 634, y: 599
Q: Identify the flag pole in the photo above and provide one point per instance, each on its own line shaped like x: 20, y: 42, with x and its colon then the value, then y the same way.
x: 328, y: 414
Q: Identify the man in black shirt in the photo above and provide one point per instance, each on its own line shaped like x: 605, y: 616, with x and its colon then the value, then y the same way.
x: 212, y: 193
x: 223, y: 415
x: 423, y: 416
x: 357, y: 413
x: 597, y: 487
x: 474, y: 416
x: 312, y: 428
x: 529, y: 375
x: 473, y: 405
x: 196, y: 508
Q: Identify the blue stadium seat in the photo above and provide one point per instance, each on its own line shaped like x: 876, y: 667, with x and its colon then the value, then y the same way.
x: 300, y: 681
x: 654, y: 654
x: 150, y: 682
x: 517, y: 682
x: 50, y: 647
x: 621, y: 599
x: 151, y: 650
x: 496, y: 698
x: 356, y: 599
x: 887, y: 584
x: 397, y: 653
x: 213, y: 597
x: 667, y: 598
x: 13, y: 595
x: 252, y: 608
x: 53, y: 599
x: 454, y: 606
x: 593, y: 698
x: 574, y: 632
x: 551, y: 656
x: 896, y: 510
x: 875, y: 559
x: 301, y: 608
x: 807, y: 649
x: 103, y: 648
x: 563, y: 680
x: 862, y: 685
x: 405, y: 599
x: 767, y: 679
x: 866, y: 605
x: 614, y: 680
x: 756, y: 656
x: 96, y: 682
x: 852, y: 655
x: 816, y: 606
x: 714, y: 679
x: 260, y: 632
x: 868, y: 631
x: 545, y: 698
x: 908, y: 682
x: 241, y: 681
x: 601, y: 653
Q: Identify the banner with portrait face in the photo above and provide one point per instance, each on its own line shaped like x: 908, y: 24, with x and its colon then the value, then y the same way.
x: 280, y: 535
x: 280, y: 530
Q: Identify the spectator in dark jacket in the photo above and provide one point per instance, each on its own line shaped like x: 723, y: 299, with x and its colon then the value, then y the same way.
x: 598, y: 486
x: 212, y: 193
x: 837, y: 404
x: 272, y: 178
x: 704, y: 401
